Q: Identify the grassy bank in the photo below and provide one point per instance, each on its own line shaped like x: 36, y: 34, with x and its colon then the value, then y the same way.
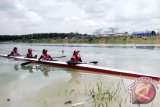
x: 109, y: 40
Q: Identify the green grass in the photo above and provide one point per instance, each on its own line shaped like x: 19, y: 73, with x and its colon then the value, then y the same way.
x: 108, y: 40
x: 104, y: 96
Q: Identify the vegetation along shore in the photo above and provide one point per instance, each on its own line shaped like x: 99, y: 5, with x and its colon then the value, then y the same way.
x: 81, y: 38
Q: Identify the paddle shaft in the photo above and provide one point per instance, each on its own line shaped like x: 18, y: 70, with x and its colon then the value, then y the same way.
x: 26, y: 63
x: 59, y: 57
x: 94, y: 62
x: 74, y: 63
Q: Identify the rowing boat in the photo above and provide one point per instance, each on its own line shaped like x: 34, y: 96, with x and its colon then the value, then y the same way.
x: 86, y: 67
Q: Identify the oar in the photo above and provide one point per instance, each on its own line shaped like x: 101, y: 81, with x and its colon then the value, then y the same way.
x: 59, y: 57
x: 26, y: 63
x: 94, y: 62
x: 74, y: 63
x: 62, y: 51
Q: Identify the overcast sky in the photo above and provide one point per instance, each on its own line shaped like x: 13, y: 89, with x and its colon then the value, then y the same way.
x: 83, y: 16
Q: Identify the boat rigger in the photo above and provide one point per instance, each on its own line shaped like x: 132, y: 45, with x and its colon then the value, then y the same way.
x: 87, y: 67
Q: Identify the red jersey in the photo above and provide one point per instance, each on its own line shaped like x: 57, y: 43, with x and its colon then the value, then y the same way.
x: 76, y: 58
x: 45, y: 57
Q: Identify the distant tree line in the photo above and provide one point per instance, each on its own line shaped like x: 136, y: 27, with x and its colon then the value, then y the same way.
x: 39, y: 36
x: 9, y: 37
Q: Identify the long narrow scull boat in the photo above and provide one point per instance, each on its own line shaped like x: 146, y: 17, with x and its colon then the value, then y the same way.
x: 87, y: 67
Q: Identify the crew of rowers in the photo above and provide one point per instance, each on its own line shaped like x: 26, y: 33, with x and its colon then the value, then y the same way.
x: 45, y: 56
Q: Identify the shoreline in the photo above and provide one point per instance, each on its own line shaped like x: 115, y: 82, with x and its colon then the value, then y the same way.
x: 94, y: 40
x: 99, y: 40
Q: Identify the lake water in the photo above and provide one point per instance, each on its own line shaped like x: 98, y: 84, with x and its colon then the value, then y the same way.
x: 38, y: 85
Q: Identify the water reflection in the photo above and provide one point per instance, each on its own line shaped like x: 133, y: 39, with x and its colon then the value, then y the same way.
x: 33, y: 68
x: 75, y: 74
x: 29, y: 68
x: 146, y: 47
x: 16, y: 67
x: 75, y: 77
x: 45, y: 71
x: 139, y: 46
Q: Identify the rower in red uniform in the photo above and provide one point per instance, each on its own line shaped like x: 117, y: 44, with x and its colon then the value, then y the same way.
x: 29, y: 54
x: 45, y: 56
x: 14, y: 52
x: 75, y: 57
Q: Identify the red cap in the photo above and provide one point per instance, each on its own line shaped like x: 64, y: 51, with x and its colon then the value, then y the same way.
x: 29, y: 49
x: 44, y: 51
x: 76, y: 51
x: 15, y: 48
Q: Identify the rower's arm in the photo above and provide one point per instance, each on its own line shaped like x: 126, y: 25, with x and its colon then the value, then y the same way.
x: 72, y: 59
x: 80, y: 60
x: 19, y: 55
x: 10, y: 54
x: 40, y: 58
x: 50, y: 58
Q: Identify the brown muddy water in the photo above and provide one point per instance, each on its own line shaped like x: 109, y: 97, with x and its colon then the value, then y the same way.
x: 36, y: 85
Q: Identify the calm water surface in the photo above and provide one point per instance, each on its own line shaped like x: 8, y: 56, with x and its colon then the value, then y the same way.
x: 47, y: 86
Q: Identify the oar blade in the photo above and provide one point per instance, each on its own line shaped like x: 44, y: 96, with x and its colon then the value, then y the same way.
x: 94, y: 62
x: 25, y: 63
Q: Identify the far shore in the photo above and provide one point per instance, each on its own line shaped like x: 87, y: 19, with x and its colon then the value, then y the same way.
x: 98, y: 40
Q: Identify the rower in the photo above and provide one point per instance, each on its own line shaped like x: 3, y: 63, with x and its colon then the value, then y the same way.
x: 29, y: 54
x: 76, y: 57
x: 45, y: 56
x: 14, y: 52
